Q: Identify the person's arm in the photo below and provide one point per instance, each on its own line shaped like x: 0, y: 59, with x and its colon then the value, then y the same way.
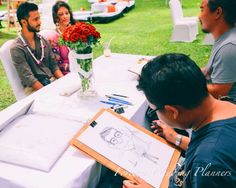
x: 58, y: 73
x: 218, y: 90
x: 23, y: 69
x: 52, y: 62
x: 162, y: 129
x: 37, y: 85
x: 64, y: 52
x: 137, y: 183
x: 223, y: 74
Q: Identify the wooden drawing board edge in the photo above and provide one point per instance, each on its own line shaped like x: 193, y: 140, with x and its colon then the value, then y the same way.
x: 111, y: 165
x: 133, y: 72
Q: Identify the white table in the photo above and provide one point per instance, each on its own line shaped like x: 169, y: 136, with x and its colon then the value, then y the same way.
x: 74, y: 169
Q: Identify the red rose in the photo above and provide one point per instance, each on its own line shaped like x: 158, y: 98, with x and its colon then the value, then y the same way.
x: 66, y: 37
x: 67, y: 33
x: 86, y: 31
x: 74, y: 37
x: 83, y: 38
x: 97, y: 34
x: 80, y: 31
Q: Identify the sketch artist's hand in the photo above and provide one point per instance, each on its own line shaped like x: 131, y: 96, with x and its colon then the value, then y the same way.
x: 137, y: 183
x: 163, y: 130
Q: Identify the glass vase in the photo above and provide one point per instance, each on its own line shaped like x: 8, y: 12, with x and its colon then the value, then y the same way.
x: 82, y: 63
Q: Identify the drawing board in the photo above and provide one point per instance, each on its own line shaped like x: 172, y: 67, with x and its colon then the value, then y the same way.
x: 127, y: 148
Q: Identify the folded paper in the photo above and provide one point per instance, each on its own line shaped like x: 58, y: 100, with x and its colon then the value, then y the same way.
x: 70, y: 90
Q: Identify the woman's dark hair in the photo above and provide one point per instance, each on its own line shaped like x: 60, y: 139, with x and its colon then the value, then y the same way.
x: 24, y: 9
x: 173, y: 79
x: 228, y: 8
x: 55, y: 9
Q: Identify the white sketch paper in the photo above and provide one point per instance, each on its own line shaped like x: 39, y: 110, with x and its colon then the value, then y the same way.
x: 129, y: 148
x: 60, y: 107
x: 36, y: 141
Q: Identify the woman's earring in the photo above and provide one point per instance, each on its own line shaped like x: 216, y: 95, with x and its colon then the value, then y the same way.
x: 57, y: 25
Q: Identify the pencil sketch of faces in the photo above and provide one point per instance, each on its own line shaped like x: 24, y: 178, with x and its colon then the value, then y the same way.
x: 128, y: 141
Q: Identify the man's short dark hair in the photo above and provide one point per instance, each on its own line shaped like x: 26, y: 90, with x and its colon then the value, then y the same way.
x: 173, y: 79
x: 228, y: 7
x: 24, y: 9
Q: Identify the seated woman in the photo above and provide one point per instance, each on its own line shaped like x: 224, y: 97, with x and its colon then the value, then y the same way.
x: 62, y: 18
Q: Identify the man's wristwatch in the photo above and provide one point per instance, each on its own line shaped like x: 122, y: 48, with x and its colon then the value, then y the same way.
x: 178, y: 140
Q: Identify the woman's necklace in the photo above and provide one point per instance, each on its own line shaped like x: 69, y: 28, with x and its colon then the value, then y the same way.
x: 33, y: 56
x: 59, y: 31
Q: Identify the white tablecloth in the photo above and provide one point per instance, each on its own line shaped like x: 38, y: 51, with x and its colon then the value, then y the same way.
x: 75, y: 169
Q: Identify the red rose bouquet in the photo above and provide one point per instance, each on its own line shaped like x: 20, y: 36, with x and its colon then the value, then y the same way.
x: 81, y: 38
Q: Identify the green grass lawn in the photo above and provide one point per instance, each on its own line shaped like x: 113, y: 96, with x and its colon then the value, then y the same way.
x: 144, y: 30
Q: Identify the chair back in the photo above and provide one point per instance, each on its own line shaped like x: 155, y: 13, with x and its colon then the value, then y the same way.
x: 45, y: 10
x: 49, y: 34
x: 176, y: 10
x: 10, y: 70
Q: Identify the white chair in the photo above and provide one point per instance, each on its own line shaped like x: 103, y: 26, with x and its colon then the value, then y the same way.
x: 178, y: 8
x: 185, y: 28
x: 45, y: 8
x: 10, y: 70
x: 48, y: 34
x: 99, y: 7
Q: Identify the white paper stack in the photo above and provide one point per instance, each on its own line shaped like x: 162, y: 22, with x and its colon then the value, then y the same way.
x: 36, y: 141
x: 36, y: 138
x: 60, y: 107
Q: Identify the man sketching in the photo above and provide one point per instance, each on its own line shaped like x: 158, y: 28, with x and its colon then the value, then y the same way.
x: 129, y: 142
x: 176, y: 89
x: 31, y: 54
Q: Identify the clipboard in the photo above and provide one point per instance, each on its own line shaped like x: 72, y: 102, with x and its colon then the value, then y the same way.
x: 86, y: 141
x: 137, y: 68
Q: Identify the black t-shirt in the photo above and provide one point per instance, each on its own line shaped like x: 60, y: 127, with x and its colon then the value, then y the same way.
x: 211, y: 156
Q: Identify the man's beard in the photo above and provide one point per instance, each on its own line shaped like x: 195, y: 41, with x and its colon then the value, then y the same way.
x: 32, y: 29
x: 205, y: 31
